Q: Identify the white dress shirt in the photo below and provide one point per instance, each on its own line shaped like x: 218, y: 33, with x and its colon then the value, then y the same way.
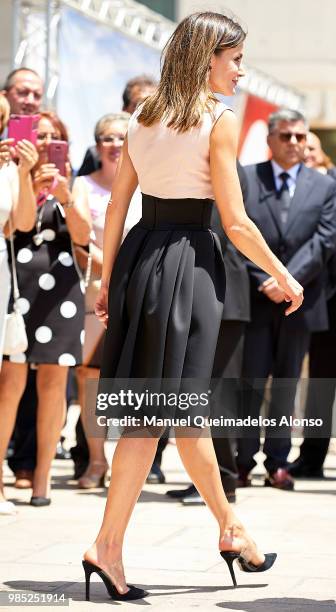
x: 291, y: 181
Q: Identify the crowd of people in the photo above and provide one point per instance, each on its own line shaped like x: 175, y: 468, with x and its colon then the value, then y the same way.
x: 56, y: 224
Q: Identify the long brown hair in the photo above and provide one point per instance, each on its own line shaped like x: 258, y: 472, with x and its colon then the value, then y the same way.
x: 183, y: 93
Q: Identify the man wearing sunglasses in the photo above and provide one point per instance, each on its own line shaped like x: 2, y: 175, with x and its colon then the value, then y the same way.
x: 322, y: 354
x: 294, y: 208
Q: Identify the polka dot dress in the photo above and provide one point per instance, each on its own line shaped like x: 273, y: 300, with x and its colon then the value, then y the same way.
x: 51, y: 293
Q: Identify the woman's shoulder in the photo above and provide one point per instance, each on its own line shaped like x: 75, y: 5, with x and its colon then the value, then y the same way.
x: 9, y: 171
x: 219, y: 109
x: 86, y: 181
x: 133, y: 120
x: 213, y: 112
x: 91, y: 185
x: 9, y: 180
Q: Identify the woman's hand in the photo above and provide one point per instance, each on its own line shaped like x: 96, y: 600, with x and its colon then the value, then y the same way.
x: 101, y: 306
x: 6, y: 151
x: 272, y: 290
x: 293, y: 292
x: 61, y: 190
x: 44, y: 177
x: 239, y: 228
x: 47, y: 176
x: 27, y: 155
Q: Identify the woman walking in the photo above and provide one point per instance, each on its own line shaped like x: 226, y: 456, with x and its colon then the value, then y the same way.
x: 162, y: 294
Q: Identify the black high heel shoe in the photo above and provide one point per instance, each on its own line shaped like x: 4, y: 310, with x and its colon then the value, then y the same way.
x: 133, y: 593
x: 244, y: 565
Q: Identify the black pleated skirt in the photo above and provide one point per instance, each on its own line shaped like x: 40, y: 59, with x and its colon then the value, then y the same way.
x: 166, y: 294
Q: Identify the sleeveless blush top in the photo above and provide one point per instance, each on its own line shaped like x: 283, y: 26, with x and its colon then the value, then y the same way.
x: 171, y: 164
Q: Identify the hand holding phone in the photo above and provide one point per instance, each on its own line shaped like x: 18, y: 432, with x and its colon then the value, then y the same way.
x: 26, y: 154
x: 44, y: 177
x: 5, y: 151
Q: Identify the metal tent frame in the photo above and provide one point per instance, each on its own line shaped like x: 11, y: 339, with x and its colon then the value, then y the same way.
x: 35, y: 27
x: 35, y: 41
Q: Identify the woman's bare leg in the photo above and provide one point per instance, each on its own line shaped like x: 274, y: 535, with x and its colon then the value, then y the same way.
x: 51, y: 383
x: 199, y: 459
x: 13, y: 378
x: 132, y: 460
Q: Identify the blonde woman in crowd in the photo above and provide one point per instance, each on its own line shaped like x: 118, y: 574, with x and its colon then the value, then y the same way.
x: 316, y: 158
x: 95, y: 190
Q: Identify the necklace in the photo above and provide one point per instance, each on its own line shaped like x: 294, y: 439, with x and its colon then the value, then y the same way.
x: 38, y: 237
x: 41, y: 200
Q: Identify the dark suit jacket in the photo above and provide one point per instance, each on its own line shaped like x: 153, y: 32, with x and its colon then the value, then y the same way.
x: 90, y: 163
x: 331, y: 271
x: 237, y: 293
x: 304, y: 245
x: 332, y: 172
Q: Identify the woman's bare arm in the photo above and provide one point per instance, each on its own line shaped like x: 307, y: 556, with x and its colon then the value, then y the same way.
x: 24, y: 203
x: 78, y: 217
x: 239, y: 228
x: 124, y: 185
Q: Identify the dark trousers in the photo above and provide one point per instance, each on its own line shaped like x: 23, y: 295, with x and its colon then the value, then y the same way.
x: 24, y: 437
x: 321, y: 393
x: 272, y: 349
x: 80, y: 453
x: 160, y: 447
x: 228, y: 365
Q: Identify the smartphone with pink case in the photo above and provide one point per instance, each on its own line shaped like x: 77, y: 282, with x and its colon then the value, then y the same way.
x: 23, y: 127
x: 58, y: 154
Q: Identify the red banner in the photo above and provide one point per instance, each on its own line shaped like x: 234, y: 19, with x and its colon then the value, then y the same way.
x: 252, y: 142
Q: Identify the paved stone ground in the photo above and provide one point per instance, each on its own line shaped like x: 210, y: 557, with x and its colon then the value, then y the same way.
x: 172, y: 550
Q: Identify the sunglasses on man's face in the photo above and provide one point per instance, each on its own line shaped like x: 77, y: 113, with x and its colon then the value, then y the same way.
x: 287, y: 136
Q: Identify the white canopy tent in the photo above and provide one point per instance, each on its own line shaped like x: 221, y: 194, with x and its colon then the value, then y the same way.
x: 35, y: 30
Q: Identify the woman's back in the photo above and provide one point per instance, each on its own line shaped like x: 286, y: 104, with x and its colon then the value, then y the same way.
x: 172, y: 164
